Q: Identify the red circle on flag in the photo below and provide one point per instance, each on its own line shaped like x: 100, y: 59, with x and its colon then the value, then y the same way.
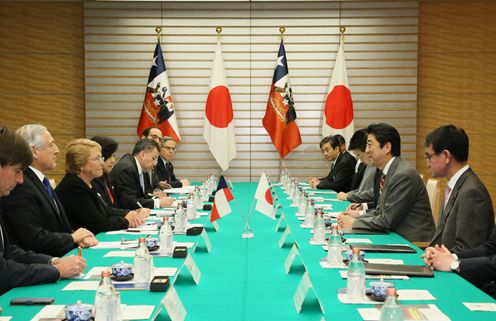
x: 219, y: 107
x: 268, y: 197
x: 339, y: 108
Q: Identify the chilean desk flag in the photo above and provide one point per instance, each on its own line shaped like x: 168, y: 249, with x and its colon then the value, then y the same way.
x: 221, y: 200
x: 158, y: 108
x: 263, y: 195
x: 218, y: 128
x: 338, y: 110
x: 280, y: 115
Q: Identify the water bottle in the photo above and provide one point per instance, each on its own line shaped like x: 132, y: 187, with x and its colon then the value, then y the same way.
x: 303, y: 206
x: 180, y: 217
x: 391, y: 310
x: 309, y: 213
x: 319, y: 227
x: 198, y: 198
x: 105, y: 299
x: 166, y: 237
x: 191, y: 208
x: 142, y: 265
x: 334, y: 257
x: 356, y: 277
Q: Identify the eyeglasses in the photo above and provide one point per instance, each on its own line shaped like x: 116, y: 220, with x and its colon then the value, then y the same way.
x: 429, y: 156
x: 172, y: 149
x: 97, y: 159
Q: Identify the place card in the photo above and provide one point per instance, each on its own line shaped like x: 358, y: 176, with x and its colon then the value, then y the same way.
x: 302, y: 291
x: 291, y: 257
x: 190, y: 264
x: 206, y: 240
x: 173, y: 305
x: 280, y: 220
x: 489, y: 307
x: 284, y: 236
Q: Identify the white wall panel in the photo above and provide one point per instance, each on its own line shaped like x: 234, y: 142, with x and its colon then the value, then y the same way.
x: 381, y: 53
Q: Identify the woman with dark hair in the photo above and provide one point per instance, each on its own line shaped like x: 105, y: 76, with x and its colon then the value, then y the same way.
x: 103, y: 185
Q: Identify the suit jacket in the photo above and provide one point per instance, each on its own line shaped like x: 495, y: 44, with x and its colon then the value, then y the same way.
x: 366, y: 194
x: 33, y: 221
x: 358, y: 176
x: 468, y: 219
x: 403, y: 206
x: 165, y: 172
x: 127, y: 184
x: 22, y: 268
x: 86, y: 208
x: 340, y: 177
x: 478, y: 265
x: 103, y: 187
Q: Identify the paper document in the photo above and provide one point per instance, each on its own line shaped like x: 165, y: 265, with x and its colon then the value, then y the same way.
x: 427, y: 312
x: 490, y: 307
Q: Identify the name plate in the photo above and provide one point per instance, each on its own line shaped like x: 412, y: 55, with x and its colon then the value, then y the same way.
x: 206, y: 239
x: 291, y: 257
x: 193, y: 268
x: 284, y: 236
x: 279, y: 221
x: 173, y: 305
x: 302, y: 291
x: 216, y: 226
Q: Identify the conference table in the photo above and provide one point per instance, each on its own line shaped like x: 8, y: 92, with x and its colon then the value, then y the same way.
x: 245, y: 279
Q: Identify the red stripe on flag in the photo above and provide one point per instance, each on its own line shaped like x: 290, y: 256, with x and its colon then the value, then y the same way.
x: 228, y: 194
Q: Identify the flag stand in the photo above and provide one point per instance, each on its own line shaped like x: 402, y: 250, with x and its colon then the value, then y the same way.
x: 247, y: 234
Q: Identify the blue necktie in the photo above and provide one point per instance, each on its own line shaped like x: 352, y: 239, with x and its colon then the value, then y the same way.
x: 50, y: 190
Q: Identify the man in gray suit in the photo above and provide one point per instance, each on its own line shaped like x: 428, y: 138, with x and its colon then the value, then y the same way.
x: 403, y: 205
x: 466, y: 217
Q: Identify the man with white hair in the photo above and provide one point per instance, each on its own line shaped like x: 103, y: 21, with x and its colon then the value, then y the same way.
x: 34, y: 215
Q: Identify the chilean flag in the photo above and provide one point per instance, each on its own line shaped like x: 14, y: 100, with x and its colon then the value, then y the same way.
x: 338, y: 110
x: 221, y: 200
x: 280, y: 114
x: 263, y: 195
x: 158, y: 107
x: 218, y: 129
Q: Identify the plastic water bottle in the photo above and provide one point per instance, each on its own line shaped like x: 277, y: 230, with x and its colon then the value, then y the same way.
x: 105, y: 299
x: 309, y: 213
x: 334, y: 257
x: 319, y: 227
x: 198, y: 198
x: 166, y: 238
x: 391, y: 310
x: 142, y: 265
x: 191, y: 208
x: 302, y: 207
x: 180, y: 219
x: 356, y: 277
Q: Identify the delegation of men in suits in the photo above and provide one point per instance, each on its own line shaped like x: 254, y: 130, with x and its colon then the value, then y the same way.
x: 403, y: 205
x: 342, y: 167
x: 19, y: 267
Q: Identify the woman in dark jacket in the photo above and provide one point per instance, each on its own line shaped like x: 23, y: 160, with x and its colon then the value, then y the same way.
x: 103, y: 185
x: 84, y: 206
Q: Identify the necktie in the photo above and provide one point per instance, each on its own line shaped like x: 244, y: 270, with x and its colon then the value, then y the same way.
x: 447, y: 193
x: 51, y: 192
x: 381, y: 182
x: 142, y: 181
x: 146, y: 180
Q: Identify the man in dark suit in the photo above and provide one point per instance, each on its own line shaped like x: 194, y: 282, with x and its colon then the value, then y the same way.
x: 403, y: 204
x: 466, y: 217
x: 164, y: 169
x: 134, y: 188
x: 34, y: 215
x: 19, y: 267
x: 477, y: 265
x: 153, y: 133
x: 342, y: 168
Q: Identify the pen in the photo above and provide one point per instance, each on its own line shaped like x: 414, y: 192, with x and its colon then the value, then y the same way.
x: 139, y: 204
x: 80, y: 251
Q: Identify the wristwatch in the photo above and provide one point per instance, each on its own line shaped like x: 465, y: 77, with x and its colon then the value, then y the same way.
x: 52, y: 260
x: 455, y: 264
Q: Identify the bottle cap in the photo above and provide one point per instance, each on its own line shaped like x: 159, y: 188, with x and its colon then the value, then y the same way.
x: 166, y: 218
x: 141, y: 239
x: 105, y: 273
x: 334, y: 226
x: 355, y: 251
x: 391, y: 292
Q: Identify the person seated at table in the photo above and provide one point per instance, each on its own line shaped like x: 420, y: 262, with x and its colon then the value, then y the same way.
x: 83, y: 163
x: 466, y: 217
x: 132, y: 183
x: 153, y: 133
x: 17, y: 266
x: 477, y: 265
x: 164, y: 168
x: 342, y: 167
x: 403, y: 205
x: 342, y: 143
x: 35, y: 217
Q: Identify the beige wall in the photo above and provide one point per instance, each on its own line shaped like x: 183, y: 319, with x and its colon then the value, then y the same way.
x: 457, y: 77
x: 42, y: 69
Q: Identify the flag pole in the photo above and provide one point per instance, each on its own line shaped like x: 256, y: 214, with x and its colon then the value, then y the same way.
x: 281, y: 31
x: 158, y: 30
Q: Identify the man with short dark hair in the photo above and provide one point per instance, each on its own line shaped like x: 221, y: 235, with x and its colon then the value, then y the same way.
x: 466, y: 217
x: 342, y: 168
x: 403, y: 205
x: 164, y: 168
x: 153, y: 133
x: 34, y: 215
x: 19, y: 267
x: 134, y: 188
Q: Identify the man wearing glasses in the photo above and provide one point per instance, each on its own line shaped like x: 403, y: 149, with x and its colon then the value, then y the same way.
x: 134, y: 188
x: 466, y: 216
x: 164, y: 168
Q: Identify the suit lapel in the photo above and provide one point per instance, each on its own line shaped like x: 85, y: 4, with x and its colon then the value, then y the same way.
x: 42, y: 189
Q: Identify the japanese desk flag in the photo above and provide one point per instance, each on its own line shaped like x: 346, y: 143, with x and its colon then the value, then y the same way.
x: 265, y: 204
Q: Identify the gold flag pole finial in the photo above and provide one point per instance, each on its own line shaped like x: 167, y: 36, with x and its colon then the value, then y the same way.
x: 158, y: 30
x: 342, y: 30
x: 219, y: 31
x: 282, y: 30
